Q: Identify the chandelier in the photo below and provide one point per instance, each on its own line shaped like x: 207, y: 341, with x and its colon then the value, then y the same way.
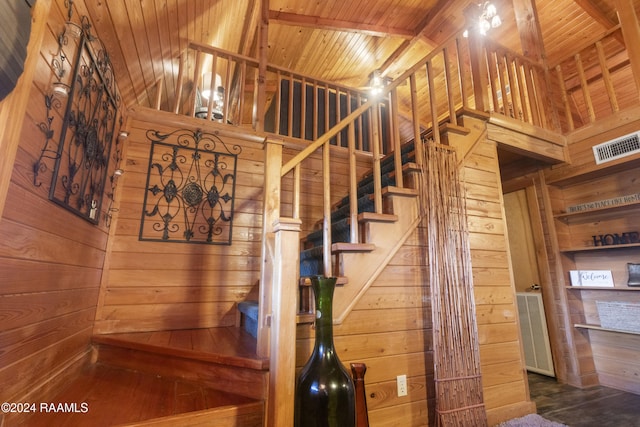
x: 488, y: 18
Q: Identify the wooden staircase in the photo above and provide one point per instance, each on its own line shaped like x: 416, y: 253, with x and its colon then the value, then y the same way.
x: 357, y: 265
x: 387, y: 213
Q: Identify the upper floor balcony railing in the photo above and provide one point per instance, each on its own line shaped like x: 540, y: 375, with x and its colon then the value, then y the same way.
x: 469, y: 73
x: 462, y: 74
x: 594, y: 82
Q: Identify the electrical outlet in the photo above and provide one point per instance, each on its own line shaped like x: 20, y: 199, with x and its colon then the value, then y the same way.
x: 402, y: 385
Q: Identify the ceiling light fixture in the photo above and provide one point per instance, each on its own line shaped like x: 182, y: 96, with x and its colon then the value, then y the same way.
x: 488, y: 18
x: 212, y: 91
x: 206, y: 84
x: 376, y: 83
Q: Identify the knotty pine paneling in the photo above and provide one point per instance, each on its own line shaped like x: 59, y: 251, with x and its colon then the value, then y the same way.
x: 403, y: 287
x: 502, y: 361
x: 155, y: 285
x: 50, y: 259
x: 579, y: 182
x: 390, y: 330
x: 167, y: 285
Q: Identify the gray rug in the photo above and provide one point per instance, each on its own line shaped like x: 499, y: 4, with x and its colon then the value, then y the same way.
x: 531, y: 420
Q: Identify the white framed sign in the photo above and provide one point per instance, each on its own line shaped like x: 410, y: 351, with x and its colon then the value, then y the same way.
x: 602, y: 278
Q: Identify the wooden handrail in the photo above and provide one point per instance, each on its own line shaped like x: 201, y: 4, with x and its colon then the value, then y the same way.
x: 326, y: 137
x: 221, y: 52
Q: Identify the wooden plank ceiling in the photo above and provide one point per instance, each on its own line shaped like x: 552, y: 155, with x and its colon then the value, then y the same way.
x: 337, y: 40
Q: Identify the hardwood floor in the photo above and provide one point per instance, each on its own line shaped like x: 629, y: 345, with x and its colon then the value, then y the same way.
x: 186, y: 377
x: 592, y: 407
x: 107, y: 396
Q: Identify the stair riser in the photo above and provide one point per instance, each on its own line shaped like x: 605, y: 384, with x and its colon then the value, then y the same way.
x: 251, y: 415
x: 243, y: 381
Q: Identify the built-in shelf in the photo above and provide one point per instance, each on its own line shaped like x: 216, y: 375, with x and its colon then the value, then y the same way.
x: 602, y: 288
x: 606, y: 212
x: 599, y: 248
x: 600, y: 328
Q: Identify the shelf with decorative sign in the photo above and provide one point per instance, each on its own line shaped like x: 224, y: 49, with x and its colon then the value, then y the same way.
x: 594, y: 229
x: 599, y: 248
x: 586, y: 224
x: 603, y: 288
x: 599, y: 213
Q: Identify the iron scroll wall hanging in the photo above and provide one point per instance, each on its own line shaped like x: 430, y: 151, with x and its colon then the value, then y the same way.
x: 87, y: 133
x: 190, y: 188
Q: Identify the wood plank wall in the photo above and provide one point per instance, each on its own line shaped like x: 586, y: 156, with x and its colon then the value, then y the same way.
x: 50, y: 259
x: 166, y: 285
x: 390, y: 328
x: 580, y: 357
x: 161, y: 285
x: 506, y: 390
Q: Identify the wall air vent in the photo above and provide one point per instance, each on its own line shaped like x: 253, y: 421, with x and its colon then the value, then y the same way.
x: 617, y: 148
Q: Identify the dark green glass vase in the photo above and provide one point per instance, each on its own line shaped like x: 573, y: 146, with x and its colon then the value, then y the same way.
x: 325, y: 395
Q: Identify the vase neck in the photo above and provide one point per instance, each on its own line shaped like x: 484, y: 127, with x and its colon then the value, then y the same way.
x: 323, y: 288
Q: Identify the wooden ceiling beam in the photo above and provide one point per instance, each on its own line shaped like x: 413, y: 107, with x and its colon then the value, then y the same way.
x: 421, y: 29
x: 318, y: 22
x: 528, y: 25
x: 599, y: 16
x: 596, y: 13
x: 630, y: 25
x: 250, y: 29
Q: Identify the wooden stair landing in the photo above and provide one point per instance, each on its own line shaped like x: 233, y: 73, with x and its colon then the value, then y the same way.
x: 221, y: 358
x: 116, y: 396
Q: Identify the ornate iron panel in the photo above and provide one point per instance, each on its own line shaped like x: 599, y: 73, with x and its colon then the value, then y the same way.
x: 87, y: 133
x: 190, y: 188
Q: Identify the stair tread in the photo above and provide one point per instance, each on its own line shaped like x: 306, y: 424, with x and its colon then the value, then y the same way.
x: 352, y: 247
x: 305, y: 318
x: 223, y: 345
x: 306, y: 281
x: 317, y: 251
x: 376, y: 217
x: 107, y: 387
x: 397, y: 191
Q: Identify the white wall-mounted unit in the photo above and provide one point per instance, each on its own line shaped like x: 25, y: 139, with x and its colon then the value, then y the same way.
x: 617, y: 148
x: 535, y: 335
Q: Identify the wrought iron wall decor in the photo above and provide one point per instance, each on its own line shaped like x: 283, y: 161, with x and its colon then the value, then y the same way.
x: 51, y: 102
x: 190, y: 189
x: 116, y: 159
x: 90, y: 116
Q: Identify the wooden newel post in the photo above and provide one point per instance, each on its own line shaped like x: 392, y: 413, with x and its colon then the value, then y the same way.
x: 270, y: 214
x: 284, y: 303
x: 260, y: 95
x: 477, y: 59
